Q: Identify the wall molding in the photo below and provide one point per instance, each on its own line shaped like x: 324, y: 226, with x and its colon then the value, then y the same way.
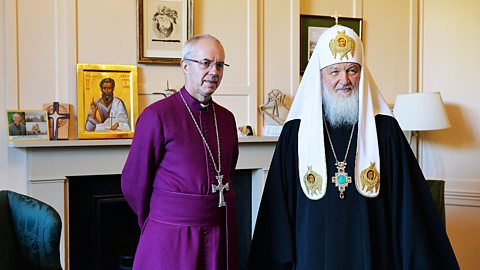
x: 462, y: 192
x: 462, y: 198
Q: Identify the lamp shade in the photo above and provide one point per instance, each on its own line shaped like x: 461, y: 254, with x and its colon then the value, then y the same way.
x: 420, y: 111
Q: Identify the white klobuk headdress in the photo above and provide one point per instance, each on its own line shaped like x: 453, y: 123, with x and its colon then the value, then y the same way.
x: 338, y: 44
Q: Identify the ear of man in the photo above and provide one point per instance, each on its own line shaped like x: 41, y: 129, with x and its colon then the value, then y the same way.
x: 184, y: 66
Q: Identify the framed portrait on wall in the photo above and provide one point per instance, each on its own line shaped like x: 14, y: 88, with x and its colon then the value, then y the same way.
x: 163, y: 28
x: 107, y: 101
x: 311, y: 27
x: 28, y: 125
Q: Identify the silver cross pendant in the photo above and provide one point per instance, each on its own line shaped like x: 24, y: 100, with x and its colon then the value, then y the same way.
x: 220, y: 188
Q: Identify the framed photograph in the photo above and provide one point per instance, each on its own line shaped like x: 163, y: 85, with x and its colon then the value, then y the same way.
x: 29, y: 125
x: 311, y: 27
x: 107, y: 99
x: 163, y: 28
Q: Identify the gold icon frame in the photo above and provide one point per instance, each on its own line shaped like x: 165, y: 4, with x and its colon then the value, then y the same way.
x: 89, y: 77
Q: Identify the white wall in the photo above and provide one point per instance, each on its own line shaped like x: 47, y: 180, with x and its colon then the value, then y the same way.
x: 449, y: 65
x: 12, y: 160
x: 235, y: 24
x: 390, y: 45
x: 279, y: 62
x: 328, y: 7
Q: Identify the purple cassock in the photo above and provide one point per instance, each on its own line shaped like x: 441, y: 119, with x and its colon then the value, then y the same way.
x: 167, y: 181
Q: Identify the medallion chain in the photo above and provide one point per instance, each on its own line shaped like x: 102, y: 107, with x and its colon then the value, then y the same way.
x: 220, y: 187
x: 331, y: 144
x: 219, y: 168
x: 341, y: 178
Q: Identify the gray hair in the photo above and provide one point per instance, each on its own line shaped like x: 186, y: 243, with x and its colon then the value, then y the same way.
x: 191, y: 44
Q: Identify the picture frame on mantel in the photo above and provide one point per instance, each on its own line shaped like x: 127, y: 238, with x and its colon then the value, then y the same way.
x: 163, y: 27
x: 27, y: 125
x: 107, y: 99
x: 312, y: 26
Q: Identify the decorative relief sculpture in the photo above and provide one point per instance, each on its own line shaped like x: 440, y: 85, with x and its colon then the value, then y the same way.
x: 275, y: 108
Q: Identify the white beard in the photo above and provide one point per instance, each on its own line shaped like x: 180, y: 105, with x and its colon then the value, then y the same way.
x: 340, y: 111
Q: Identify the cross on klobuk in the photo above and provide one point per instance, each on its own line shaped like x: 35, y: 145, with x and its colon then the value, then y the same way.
x: 56, y: 115
x: 335, y: 16
x: 220, y: 188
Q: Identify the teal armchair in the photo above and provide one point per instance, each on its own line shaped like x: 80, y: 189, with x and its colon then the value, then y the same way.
x: 29, y: 233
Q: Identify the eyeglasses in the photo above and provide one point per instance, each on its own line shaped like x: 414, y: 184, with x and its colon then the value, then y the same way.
x: 206, y: 63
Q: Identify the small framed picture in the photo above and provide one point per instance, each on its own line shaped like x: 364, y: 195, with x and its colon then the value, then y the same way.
x: 107, y: 98
x: 163, y: 27
x: 28, y: 125
x: 311, y: 27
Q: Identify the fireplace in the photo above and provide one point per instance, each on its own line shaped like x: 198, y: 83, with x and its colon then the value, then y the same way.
x: 103, y: 230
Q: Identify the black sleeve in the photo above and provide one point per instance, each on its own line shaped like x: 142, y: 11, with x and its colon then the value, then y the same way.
x: 418, y: 235
x: 273, y: 244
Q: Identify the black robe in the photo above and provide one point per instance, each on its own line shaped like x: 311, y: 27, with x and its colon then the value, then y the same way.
x: 399, y: 229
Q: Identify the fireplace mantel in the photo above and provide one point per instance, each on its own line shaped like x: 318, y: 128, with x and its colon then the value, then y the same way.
x: 49, y: 163
x: 54, y: 160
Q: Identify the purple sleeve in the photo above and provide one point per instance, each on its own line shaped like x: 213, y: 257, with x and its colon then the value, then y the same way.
x: 138, y: 174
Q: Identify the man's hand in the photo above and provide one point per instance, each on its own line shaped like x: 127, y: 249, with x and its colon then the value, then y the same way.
x: 95, y: 113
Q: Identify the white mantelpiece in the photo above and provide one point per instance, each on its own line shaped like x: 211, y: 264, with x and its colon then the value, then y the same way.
x: 53, y: 160
x: 49, y: 163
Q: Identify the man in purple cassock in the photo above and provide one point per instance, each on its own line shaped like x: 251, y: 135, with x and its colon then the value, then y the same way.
x: 178, y: 174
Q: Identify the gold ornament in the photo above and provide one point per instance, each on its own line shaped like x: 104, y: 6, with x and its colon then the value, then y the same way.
x: 370, y: 178
x: 313, y: 181
x: 343, y: 45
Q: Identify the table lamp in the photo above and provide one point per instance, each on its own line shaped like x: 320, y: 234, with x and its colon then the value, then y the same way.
x: 420, y: 112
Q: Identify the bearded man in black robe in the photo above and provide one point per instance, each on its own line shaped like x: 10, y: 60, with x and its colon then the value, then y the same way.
x: 344, y: 189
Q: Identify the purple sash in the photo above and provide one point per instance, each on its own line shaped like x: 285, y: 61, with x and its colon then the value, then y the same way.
x: 198, y: 210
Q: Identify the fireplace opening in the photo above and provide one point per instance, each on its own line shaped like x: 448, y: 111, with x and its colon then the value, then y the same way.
x: 103, y: 230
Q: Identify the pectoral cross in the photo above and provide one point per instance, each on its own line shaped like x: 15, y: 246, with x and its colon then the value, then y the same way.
x: 220, y: 188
